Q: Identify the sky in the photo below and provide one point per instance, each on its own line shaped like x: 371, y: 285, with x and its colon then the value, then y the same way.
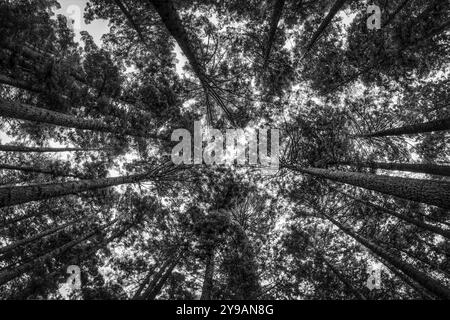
x: 74, y: 9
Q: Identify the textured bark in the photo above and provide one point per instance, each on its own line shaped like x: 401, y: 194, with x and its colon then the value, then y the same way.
x: 43, y: 149
x: 209, y: 277
x: 318, y: 33
x: 274, y: 19
x: 343, y: 279
x: 432, y: 192
x: 172, y: 21
x: 26, y: 112
x: 157, y: 289
x: 418, y: 276
x: 10, y: 196
x: 11, y: 274
x: 144, y: 283
x: 417, y: 223
x: 38, y: 236
x: 20, y: 84
x: 130, y: 19
x: 415, y: 286
x: 55, y: 171
x: 151, y: 286
x: 437, y: 125
x: 428, y: 168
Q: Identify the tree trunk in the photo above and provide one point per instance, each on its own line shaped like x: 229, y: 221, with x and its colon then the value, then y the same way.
x: 172, y: 21
x: 55, y: 172
x: 156, y: 290
x: 343, y: 279
x: 334, y: 9
x: 158, y: 276
x: 428, y: 168
x: 9, y: 275
x: 144, y: 283
x: 415, y: 286
x: 209, y: 276
x: 10, y: 196
x: 22, y: 111
x: 420, y: 277
x: 130, y: 19
x: 275, y: 18
x: 38, y: 236
x: 426, y: 191
x: 431, y: 126
x: 10, y: 148
x: 417, y: 223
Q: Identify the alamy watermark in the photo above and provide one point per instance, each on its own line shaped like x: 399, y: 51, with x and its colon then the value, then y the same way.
x: 245, y: 146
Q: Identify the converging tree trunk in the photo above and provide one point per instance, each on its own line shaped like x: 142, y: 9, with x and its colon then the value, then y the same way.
x: 12, y: 148
x: 343, y: 279
x: 431, y: 126
x: 11, y: 274
x: 209, y: 276
x: 318, y: 33
x: 420, y: 277
x: 404, y: 217
x: 22, y: 111
x: 429, y: 168
x: 274, y: 19
x: 426, y: 191
x: 10, y: 196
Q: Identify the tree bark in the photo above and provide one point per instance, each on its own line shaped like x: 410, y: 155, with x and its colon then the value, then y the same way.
x: 431, y: 126
x: 429, y: 168
x: 25, y: 112
x: 209, y: 276
x: 9, y: 275
x: 343, y: 279
x: 172, y: 21
x: 317, y: 34
x: 420, y: 277
x: 156, y: 290
x: 431, y: 192
x: 275, y: 18
x: 10, y: 196
x: 417, y: 223
x: 11, y: 148
x: 38, y: 236
x: 55, y: 172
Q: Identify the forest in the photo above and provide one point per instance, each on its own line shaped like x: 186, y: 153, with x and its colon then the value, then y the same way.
x: 93, y: 208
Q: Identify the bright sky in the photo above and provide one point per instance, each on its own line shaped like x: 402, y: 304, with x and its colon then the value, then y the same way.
x: 74, y: 9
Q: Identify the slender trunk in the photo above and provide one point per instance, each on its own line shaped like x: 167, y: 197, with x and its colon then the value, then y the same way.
x: 343, y: 279
x: 20, y: 84
x: 10, y: 148
x: 414, y: 285
x: 334, y: 9
x: 275, y: 18
x: 429, y: 168
x: 130, y: 19
x: 25, y: 112
x: 209, y: 276
x: 156, y: 290
x: 156, y: 278
x: 38, y: 236
x: 10, y: 196
x: 172, y: 21
x: 431, y: 192
x: 420, y: 277
x: 11, y: 274
x: 431, y: 126
x: 417, y: 223
x: 55, y: 172
x: 144, y: 283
